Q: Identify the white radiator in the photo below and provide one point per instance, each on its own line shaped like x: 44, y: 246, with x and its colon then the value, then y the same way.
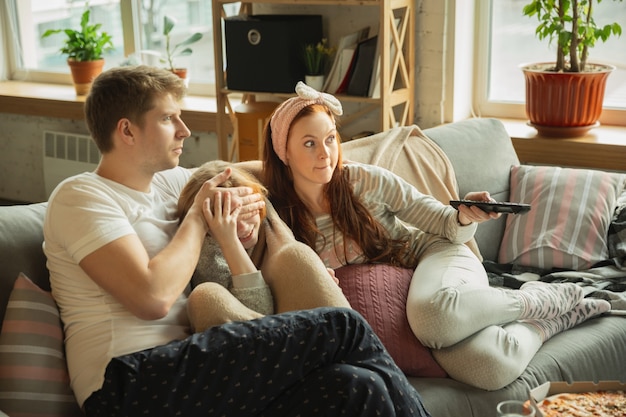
x: 66, y: 154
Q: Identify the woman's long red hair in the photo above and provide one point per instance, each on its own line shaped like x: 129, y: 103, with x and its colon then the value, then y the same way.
x: 350, y: 216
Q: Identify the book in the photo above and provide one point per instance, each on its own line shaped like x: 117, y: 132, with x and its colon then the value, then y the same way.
x: 374, y: 89
x: 361, y: 74
x: 343, y: 85
x: 343, y: 57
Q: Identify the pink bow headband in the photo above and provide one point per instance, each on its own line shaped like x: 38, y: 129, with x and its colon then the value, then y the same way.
x: 289, y: 109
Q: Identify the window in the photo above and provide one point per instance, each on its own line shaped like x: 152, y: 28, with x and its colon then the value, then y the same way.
x: 506, y: 39
x: 135, y: 25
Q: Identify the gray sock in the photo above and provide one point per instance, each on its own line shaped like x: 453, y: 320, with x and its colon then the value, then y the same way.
x: 543, y: 300
x: 586, y: 309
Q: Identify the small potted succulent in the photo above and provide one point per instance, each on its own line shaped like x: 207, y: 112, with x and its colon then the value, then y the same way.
x: 564, y: 97
x: 316, y: 58
x: 175, y: 51
x: 85, y: 49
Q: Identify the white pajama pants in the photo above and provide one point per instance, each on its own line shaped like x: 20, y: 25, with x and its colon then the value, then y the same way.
x: 471, y: 326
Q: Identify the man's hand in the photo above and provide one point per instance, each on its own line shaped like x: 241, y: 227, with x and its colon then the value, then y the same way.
x: 248, y: 202
x: 251, y: 204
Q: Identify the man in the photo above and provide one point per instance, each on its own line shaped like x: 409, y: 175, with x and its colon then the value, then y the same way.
x: 120, y: 265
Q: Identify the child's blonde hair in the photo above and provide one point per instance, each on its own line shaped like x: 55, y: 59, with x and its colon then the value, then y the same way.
x: 238, y: 178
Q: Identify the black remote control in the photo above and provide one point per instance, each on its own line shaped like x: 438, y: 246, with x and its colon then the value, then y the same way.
x: 498, y: 207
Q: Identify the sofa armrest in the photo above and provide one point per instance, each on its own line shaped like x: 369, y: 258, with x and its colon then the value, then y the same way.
x: 21, y: 238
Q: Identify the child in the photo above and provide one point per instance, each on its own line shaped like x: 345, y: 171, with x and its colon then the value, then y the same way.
x: 226, y: 249
x: 228, y: 285
x: 352, y: 213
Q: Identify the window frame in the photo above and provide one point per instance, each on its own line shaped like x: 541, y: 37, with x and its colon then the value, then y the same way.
x: 132, y: 41
x: 484, y: 107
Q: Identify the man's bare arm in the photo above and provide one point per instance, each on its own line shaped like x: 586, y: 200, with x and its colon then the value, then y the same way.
x: 149, y: 287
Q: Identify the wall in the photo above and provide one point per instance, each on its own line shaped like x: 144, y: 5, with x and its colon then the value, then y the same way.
x: 430, y: 61
x: 21, y: 153
x: 21, y: 170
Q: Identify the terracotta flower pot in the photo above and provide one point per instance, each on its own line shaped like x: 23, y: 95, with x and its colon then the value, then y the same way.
x: 83, y: 74
x: 182, y: 73
x: 562, y: 104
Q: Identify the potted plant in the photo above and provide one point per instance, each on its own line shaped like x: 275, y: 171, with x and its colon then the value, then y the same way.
x: 564, y: 98
x: 84, y: 49
x: 177, y: 50
x: 315, y: 60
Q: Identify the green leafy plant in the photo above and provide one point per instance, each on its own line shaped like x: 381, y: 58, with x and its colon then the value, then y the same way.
x: 316, y: 56
x: 86, y: 44
x: 177, y: 50
x: 571, y: 24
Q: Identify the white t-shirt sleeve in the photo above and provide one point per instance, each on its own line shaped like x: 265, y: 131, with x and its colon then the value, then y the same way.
x: 86, y: 217
x: 90, y: 211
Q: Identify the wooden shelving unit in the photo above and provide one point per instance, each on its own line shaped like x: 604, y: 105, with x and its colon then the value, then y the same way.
x: 397, y: 72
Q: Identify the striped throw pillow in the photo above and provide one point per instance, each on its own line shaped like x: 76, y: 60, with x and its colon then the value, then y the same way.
x: 33, y: 373
x: 569, y: 220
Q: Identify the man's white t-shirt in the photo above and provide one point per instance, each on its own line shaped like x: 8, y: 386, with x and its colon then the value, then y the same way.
x: 84, y: 213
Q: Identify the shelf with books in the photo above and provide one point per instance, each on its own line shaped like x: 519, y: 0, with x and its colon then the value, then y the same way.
x: 390, y: 89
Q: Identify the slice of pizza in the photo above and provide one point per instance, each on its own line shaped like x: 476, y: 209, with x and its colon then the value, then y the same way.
x: 585, y: 404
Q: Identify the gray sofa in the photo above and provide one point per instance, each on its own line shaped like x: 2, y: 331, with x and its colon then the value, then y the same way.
x: 481, y: 154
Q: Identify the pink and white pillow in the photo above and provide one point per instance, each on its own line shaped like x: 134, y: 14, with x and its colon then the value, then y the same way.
x: 568, y: 223
x: 33, y: 373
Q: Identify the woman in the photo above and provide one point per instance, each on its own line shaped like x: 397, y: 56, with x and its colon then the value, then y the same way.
x: 353, y: 213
